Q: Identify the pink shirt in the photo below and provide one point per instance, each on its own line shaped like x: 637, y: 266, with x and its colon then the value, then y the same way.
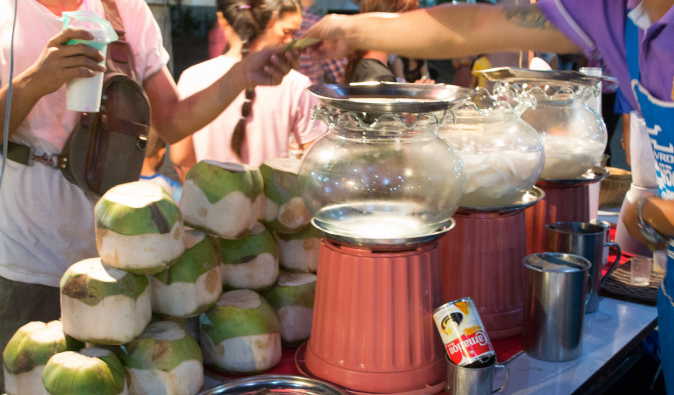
x: 278, y: 112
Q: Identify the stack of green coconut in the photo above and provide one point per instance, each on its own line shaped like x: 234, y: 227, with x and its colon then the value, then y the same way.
x: 123, y: 320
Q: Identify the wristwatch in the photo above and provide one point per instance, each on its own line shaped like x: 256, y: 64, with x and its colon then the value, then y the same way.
x: 645, y: 229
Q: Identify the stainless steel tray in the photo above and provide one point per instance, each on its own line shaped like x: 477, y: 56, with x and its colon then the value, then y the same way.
x: 383, y: 244
x: 530, y: 197
x: 595, y: 174
x: 280, y: 384
x: 391, y: 97
x: 539, y: 77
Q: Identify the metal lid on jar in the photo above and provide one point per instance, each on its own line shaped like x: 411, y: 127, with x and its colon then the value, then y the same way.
x: 391, y: 97
x: 275, y: 384
x: 542, y: 77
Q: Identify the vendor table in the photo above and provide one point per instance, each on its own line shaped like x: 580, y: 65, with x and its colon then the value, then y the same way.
x: 610, y: 337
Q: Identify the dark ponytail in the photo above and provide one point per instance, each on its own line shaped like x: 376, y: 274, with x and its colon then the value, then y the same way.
x: 249, y: 19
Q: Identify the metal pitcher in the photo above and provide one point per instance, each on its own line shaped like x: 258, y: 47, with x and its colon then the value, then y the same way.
x: 587, y: 240
x: 463, y: 380
x: 557, y: 287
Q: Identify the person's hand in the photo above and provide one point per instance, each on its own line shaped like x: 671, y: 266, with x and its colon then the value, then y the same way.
x: 424, y: 80
x: 267, y: 67
x: 630, y: 221
x: 59, y: 63
x: 332, y: 30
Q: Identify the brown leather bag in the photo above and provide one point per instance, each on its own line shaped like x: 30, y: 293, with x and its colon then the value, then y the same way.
x: 108, y: 148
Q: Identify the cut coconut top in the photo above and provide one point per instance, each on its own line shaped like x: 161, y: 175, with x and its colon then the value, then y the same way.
x: 96, y: 269
x: 48, y: 333
x: 296, y: 279
x: 70, y: 359
x: 192, y: 238
x: 290, y: 165
x: 95, y: 352
x: 242, y: 299
x: 136, y: 194
x: 163, y: 331
x: 230, y: 166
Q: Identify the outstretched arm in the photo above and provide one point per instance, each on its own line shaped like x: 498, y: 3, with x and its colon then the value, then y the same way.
x: 446, y: 31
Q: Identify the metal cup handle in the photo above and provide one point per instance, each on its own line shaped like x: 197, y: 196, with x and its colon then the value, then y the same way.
x: 506, y: 379
x: 589, y: 287
x: 615, y: 263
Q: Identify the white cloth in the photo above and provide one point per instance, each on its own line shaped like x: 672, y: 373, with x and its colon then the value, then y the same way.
x: 46, y: 223
x: 278, y: 112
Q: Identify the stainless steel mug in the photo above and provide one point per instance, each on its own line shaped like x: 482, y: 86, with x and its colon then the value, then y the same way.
x: 557, y: 287
x: 462, y: 380
x: 586, y: 240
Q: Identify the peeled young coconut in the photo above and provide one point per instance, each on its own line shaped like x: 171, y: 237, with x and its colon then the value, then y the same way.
x: 260, y: 204
x: 219, y: 198
x: 250, y: 263
x: 139, y: 228
x: 285, y: 211
x: 299, y: 251
x: 240, y: 334
x: 91, y: 371
x: 27, y: 354
x: 100, y: 304
x: 191, y: 285
x: 293, y: 300
x: 165, y: 359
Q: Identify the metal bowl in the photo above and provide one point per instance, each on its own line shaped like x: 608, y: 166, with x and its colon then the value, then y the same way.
x: 278, y: 384
x: 391, y: 97
x: 383, y: 244
x: 542, y: 77
x: 530, y: 197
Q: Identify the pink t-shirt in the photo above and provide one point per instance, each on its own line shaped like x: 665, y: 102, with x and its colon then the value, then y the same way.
x: 278, y: 112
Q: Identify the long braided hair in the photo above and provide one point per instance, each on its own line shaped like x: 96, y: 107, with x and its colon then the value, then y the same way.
x: 249, y: 20
x: 376, y: 6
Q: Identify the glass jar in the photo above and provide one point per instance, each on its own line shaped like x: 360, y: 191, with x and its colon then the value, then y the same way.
x: 574, y: 135
x: 385, y: 176
x: 503, y: 155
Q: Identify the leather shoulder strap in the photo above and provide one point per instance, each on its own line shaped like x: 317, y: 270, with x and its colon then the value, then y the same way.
x: 112, y: 14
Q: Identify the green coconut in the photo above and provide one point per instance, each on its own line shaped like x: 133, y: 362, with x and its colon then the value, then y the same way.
x: 101, y: 304
x: 91, y: 371
x: 190, y: 324
x: 293, y: 300
x: 193, y: 284
x: 241, y: 333
x: 298, y: 252
x: 138, y: 228
x: 165, y: 359
x: 27, y: 354
x: 285, y: 210
x: 219, y: 198
x: 250, y: 263
x: 260, y: 203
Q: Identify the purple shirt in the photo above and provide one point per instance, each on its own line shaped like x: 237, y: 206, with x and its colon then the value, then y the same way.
x: 600, y: 25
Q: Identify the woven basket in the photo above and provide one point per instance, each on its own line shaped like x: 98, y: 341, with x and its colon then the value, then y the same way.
x: 614, y: 188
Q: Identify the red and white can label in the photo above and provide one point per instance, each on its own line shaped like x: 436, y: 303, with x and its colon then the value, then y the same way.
x: 462, y: 332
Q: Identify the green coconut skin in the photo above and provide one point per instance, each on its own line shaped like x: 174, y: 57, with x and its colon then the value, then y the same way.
x: 217, y: 182
x: 225, y: 322
x: 162, y: 355
x: 307, y: 233
x: 159, y: 217
x: 107, y: 378
x: 92, y: 291
x: 279, y: 186
x: 194, y: 262
x: 21, y: 354
x: 245, y: 250
x: 301, y: 295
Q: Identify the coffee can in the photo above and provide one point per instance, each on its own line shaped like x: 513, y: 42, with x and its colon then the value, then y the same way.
x: 462, y: 332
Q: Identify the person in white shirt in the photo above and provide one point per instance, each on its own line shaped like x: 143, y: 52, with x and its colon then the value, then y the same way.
x: 258, y: 123
x: 46, y: 223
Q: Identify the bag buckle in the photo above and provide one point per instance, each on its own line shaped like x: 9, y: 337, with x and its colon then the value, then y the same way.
x: 54, y: 161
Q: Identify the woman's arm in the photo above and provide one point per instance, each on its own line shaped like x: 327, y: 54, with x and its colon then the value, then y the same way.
x: 175, y: 118
x: 449, y: 31
x: 182, y: 153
